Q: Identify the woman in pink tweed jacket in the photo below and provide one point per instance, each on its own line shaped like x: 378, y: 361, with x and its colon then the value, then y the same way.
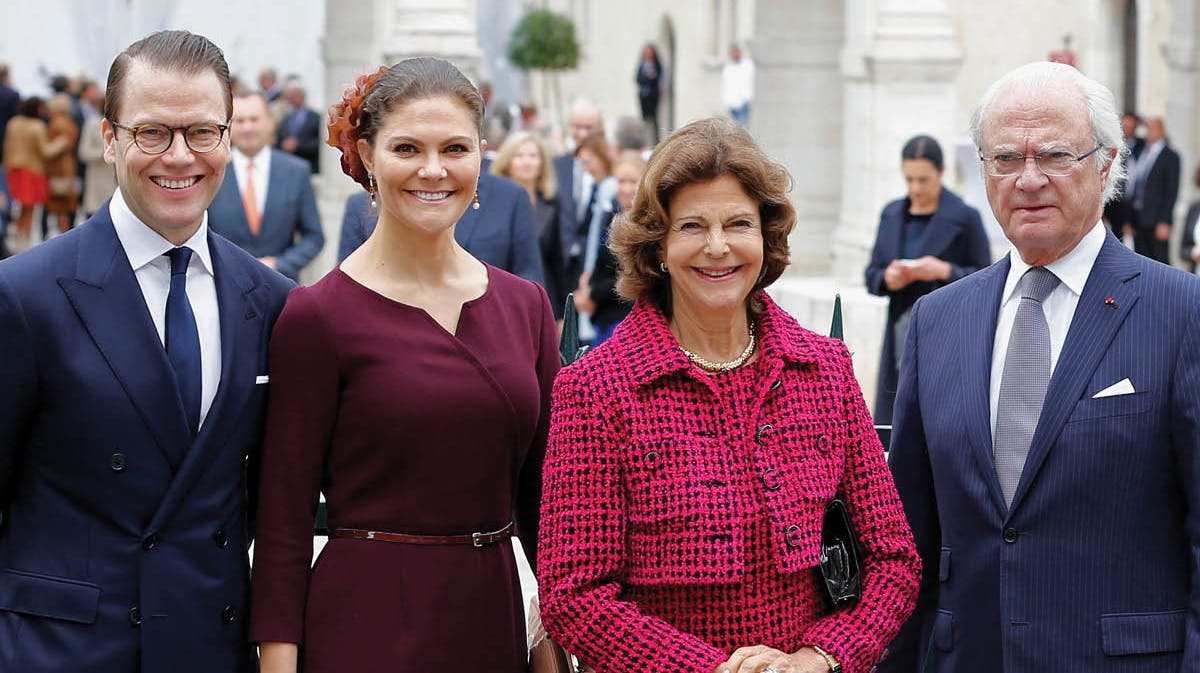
x: 692, y: 455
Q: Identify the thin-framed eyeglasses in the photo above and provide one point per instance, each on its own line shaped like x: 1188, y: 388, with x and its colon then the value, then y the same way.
x: 1055, y: 163
x: 157, y: 138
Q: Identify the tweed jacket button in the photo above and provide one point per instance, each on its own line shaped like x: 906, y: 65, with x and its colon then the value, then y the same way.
x: 135, y: 616
x: 651, y: 459
x: 776, y: 384
x: 762, y: 433
x: 770, y: 482
x: 823, y: 443
x: 792, y: 535
x: 228, y: 614
x: 117, y: 462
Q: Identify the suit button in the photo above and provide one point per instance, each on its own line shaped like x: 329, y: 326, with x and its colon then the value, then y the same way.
x: 770, y: 481
x: 117, y: 462
x: 228, y: 614
x: 135, y: 616
x: 220, y: 538
x: 792, y: 535
x: 1010, y: 535
x: 149, y: 542
x: 762, y: 433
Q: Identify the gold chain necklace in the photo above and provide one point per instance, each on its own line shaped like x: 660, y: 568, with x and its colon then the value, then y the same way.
x: 718, y: 367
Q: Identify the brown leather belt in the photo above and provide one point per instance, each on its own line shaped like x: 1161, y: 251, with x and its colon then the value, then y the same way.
x: 473, y: 539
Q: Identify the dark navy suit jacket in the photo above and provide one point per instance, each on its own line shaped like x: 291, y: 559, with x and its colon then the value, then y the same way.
x: 291, y: 229
x: 111, y: 558
x: 1094, y: 568
x: 955, y: 235
x: 501, y: 232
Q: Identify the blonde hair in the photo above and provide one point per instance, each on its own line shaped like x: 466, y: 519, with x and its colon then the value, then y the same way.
x: 547, y: 185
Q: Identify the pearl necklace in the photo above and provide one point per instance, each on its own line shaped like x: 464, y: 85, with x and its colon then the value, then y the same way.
x: 719, y: 367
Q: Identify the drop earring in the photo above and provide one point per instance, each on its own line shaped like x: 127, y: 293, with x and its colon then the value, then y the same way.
x: 371, y: 190
x: 475, y: 203
x: 662, y: 266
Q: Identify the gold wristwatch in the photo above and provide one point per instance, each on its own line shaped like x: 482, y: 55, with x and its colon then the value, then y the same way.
x: 834, y: 666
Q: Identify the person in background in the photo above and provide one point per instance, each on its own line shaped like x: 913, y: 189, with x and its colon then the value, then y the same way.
x: 650, y: 80
x: 692, y: 455
x: 412, y: 387
x: 99, y: 182
x: 925, y: 240
x: 62, y: 171
x: 597, y: 295
x: 574, y: 182
x: 737, y: 85
x: 27, y: 150
x: 300, y: 127
x: 1119, y: 213
x: 266, y: 204
x: 1155, y: 188
x: 1045, y: 440
x: 524, y: 160
x: 596, y: 158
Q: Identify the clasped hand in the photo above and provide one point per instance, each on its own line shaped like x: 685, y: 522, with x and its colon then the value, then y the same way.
x: 760, y: 658
x: 900, y: 273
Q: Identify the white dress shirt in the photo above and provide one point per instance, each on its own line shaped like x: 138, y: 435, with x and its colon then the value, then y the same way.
x: 262, y: 173
x: 1072, y: 270
x: 145, y: 249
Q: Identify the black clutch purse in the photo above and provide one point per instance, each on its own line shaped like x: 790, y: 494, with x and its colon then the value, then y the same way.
x: 840, y: 568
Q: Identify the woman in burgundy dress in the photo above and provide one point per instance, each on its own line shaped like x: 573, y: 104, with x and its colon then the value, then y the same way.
x: 410, y: 385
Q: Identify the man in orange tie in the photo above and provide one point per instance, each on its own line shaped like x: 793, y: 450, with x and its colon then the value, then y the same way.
x: 266, y: 204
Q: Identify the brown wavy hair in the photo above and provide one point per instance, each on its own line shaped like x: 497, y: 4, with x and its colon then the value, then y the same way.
x: 699, y: 152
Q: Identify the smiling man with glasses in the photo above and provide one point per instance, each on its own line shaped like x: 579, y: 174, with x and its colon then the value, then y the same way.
x: 132, y: 389
x: 1047, y: 422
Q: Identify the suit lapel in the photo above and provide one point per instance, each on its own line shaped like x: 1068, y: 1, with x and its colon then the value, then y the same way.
x: 940, y: 233
x: 980, y: 315
x: 241, y: 319
x: 109, y: 302
x: 276, y: 184
x: 1092, y: 329
x: 234, y: 196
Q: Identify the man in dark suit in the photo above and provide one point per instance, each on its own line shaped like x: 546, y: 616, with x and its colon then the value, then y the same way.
x: 500, y: 232
x: 266, y: 204
x: 133, y: 384
x: 1048, y: 418
x: 575, y: 183
x: 300, y: 128
x: 1118, y: 212
x: 1155, y: 189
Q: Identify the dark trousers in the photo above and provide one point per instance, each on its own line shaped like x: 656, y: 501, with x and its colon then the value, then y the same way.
x: 1146, y: 244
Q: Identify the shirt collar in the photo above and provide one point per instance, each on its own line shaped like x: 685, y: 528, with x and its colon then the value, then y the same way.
x: 241, y: 159
x: 143, y: 245
x: 1072, y: 269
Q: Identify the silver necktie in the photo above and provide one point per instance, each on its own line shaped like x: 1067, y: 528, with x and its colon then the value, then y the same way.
x: 1026, y: 376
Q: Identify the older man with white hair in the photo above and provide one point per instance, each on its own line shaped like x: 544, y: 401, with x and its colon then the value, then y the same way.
x: 1048, y: 416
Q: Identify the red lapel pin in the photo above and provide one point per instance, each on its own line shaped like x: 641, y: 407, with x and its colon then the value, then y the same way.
x: 1110, y: 302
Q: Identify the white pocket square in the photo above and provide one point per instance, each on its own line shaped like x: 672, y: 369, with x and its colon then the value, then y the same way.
x: 259, y: 380
x: 1122, y: 387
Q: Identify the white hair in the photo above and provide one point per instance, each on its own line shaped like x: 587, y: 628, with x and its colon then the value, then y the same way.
x: 1042, y: 76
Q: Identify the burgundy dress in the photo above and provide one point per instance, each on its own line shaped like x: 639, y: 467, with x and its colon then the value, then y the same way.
x: 411, y: 429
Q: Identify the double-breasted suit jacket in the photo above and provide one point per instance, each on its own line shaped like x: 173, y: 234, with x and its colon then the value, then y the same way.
x: 1094, y: 567
x: 290, y: 229
x: 123, y: 544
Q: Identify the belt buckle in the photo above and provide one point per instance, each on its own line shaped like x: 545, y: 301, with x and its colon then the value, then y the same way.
x: 370, y: 535
x: 479, y: 540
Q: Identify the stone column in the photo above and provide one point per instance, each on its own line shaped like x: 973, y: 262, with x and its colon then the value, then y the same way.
x: 797, y: 114
x: 899, y: 67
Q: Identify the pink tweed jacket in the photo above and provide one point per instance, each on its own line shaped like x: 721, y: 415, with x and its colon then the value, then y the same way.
x: 672, y: 535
